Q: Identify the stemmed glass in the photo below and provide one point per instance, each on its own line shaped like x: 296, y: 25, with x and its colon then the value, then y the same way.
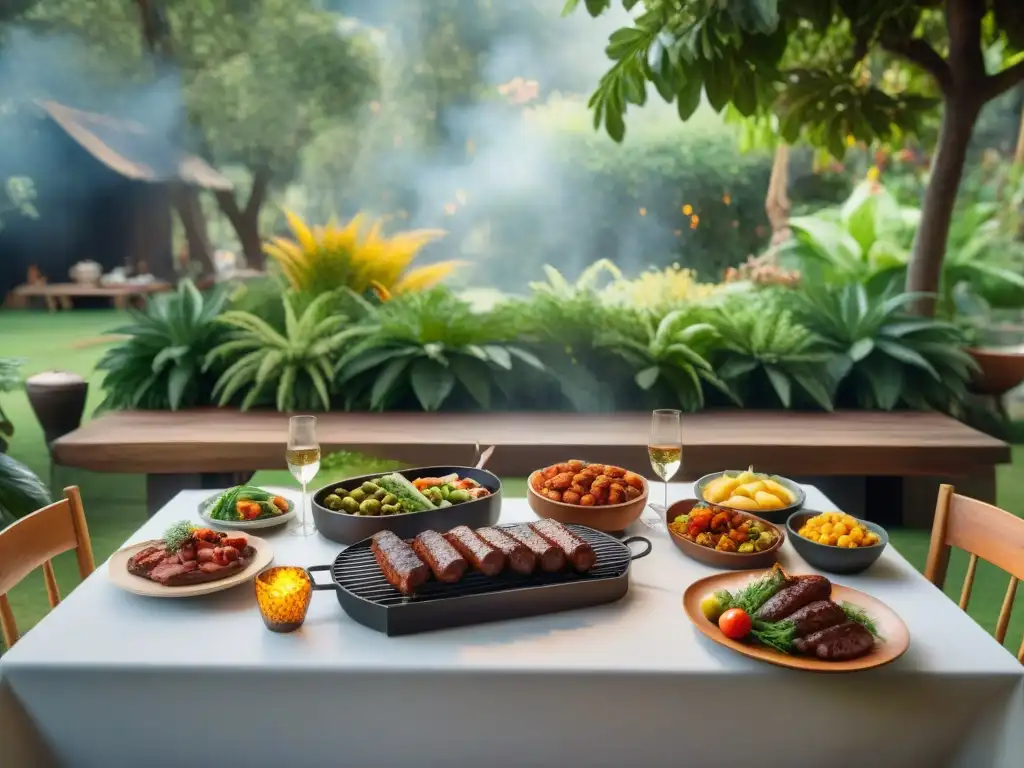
x: 665, y: 446
x: 303, y: 457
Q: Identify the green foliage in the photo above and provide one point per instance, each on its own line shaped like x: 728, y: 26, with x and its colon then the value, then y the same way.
x: 21, y: 491
x: 867, y: 240
x: 882, y: 356
x: 762, y: 343
x: 669, y: 360
x: 10, y: 380
x: 160, y: 365
x: 813, y: 63
x: 433, y: 346
x: 296, y: 364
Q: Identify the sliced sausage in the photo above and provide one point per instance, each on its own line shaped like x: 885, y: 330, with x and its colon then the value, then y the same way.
x: 446, y: 563
x: 808, y: 589
x: 821, y: 614
x: 520, y: 558
x: 478, y: 553
x: 577, y: 551
x: 848, y: 640
x: 550, y: 557
x: 399, y: 564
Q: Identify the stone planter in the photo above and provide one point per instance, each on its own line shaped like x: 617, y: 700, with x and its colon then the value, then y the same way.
x: 58, y: 399
x: 1001, y: 370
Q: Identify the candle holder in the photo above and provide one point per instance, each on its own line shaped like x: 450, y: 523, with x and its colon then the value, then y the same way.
x: 282, y: 593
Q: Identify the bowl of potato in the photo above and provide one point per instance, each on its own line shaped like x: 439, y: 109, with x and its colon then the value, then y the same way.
x: 836, y: 542
x: 771, y: 497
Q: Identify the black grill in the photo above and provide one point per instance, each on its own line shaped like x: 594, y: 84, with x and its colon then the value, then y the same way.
x: 370, y: 599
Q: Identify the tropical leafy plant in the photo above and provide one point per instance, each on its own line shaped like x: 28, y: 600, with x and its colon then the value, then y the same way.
x: 430, y: 345
x: 355, y: 256
x: 762, y: 341
x: 10, y: 380
x: 868, y: 240
x: 160, y: 364
x: 296, y: 365
x: 883, y: 357
x: 669, y: 359
x: 21, y: 491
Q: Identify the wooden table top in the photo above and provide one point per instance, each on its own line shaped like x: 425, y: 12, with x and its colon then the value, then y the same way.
x: 841, y: 443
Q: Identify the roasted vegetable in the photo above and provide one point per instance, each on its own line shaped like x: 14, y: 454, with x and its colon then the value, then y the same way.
x: 406, y: 493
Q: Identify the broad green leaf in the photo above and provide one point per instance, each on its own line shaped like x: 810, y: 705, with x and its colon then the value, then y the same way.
x: 475, y: 377
x: 168, y: 354
x: 21, y: 491
x: 906, y: 355
x: 431, y: 383
x: 499, y: 355
x: 860, y: 349
x: 735, y: 367
x: 176, y: 382
x: 646, y: 378
x: 781, y: 384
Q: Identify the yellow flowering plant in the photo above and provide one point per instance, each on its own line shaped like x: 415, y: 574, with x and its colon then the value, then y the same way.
x: 656, y: 289
x: 357, y: 255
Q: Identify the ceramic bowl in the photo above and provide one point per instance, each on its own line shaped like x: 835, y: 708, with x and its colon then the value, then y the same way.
x: 716, y: 558
x: 771, y: 515
x: 348, y: 529
x: 832, y: 559
x: 610, y: 518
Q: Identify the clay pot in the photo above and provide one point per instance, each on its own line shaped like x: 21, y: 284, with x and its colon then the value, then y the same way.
x: 1001, y: 370
x: 58, y: 399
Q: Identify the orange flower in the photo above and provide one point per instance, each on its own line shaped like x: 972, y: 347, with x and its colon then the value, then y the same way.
x: 727, y: 198
x: 694, y: 221
x: 687, y: 209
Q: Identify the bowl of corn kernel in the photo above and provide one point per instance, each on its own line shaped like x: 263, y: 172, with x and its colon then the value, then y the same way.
x: 835, y: 541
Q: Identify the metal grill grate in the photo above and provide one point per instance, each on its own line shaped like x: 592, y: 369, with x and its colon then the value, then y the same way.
x: 356, y: 570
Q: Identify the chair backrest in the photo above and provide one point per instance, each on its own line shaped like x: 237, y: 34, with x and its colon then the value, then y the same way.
x: 985, y: 532
x: 33, y: 541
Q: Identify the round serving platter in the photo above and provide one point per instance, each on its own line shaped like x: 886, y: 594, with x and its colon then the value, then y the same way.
x: 117, y: 571
x: 244, y: 525
x: 895, y: 637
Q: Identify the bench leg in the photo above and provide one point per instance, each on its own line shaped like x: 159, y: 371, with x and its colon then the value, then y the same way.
x: 160, y: 489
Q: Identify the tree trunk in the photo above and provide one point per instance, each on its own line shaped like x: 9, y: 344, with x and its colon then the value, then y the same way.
x: 186, y: 202
x: 777, y: 204
x: 1018, y: 156
x: 925, y: 271
x: 246, y: 221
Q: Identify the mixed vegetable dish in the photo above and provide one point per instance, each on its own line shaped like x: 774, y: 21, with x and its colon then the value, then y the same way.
x: 723, y: 530
x: 246, y: 502
x: 394, y: 494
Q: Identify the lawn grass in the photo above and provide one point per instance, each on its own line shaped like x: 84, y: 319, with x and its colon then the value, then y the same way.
x: 115, y: 504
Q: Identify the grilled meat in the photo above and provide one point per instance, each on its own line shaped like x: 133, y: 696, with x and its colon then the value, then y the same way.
x: 520, y: 558
x: 808, y: 589
x: 444, y: 560
x: 816, y: 616
x: 481, y: 555
x: 840, y: 642
x: 577, y: 551
x: 399, y: 564
x: 550, y: 557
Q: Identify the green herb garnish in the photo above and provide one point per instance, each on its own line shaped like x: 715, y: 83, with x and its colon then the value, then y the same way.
x: 756, y: 593
x: 178, y: 535
x: 853, y: 613
x: 775, y: 634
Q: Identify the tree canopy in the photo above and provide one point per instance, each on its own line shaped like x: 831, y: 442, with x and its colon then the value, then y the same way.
x: 824, y: 69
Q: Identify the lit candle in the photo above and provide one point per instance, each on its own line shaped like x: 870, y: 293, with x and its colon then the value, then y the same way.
x: 283, y: 593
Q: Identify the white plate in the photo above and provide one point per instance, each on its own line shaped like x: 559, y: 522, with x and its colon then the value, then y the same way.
x: 244, y: 525
x: 117, y: 570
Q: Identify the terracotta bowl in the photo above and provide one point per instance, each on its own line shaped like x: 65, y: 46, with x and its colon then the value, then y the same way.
x: 716, y: 558
x: 610, y: 518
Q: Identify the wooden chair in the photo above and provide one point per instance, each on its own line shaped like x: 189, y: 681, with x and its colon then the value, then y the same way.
x: 33, y: 541
x: 985, y: 532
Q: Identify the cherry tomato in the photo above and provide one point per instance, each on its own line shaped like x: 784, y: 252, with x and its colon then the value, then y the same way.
x: 734, y: 623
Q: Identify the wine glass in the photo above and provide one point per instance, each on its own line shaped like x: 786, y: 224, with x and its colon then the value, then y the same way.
x: 303, y: 457
x: 665, y: 445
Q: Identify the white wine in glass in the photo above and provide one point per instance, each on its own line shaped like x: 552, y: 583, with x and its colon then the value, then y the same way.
x: 665, y: 446
x: 303, y: 457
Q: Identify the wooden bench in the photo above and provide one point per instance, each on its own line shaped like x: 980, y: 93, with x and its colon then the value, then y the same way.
x: 60, y: 295
x: 876, y: 463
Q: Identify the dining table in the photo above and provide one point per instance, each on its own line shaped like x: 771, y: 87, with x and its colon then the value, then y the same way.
x: 111, y: 678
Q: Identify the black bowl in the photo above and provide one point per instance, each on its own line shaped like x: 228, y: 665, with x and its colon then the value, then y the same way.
x: 825, y: 557
x: 348, y: 529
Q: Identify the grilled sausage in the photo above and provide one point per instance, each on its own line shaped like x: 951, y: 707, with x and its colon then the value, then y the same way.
x: 837, y: 643
x: 520, y: 558
x: 577, y: 551
x: 398, y: 562
x: 816, y: 616
x: 477, y: 552
x: 446, y: 563
x: 808, y: 589
x: 550, y: 557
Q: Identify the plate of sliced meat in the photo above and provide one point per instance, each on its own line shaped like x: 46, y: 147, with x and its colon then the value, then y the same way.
x: 189, y: 561
x: 803, y: 621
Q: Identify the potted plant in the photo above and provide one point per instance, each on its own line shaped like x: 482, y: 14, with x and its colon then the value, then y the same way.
x: 1001, y: 366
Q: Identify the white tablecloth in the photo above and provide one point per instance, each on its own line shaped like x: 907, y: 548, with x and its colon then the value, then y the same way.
x: 110, y: 676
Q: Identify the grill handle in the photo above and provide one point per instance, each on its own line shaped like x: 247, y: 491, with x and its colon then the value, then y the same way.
x: 313, y: 569
x: 644, y: 552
